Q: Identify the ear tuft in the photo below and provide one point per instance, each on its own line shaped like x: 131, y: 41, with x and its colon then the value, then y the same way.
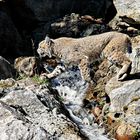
x: 47, y: 40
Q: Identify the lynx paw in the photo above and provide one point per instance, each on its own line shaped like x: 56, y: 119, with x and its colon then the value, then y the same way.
x: 121, y: 76
x: 124, y: 72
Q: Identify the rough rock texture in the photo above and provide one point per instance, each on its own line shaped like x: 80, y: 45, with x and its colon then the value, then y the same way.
x: 129, y: 8
x: 125, y: 99
x: 128, y: 16
x: 31, y: 112
x: 126, y: 131
x: 6, y: 70
x: 135, y: 56
x: 124, y: 95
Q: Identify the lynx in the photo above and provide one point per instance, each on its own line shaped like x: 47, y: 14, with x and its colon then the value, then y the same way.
x: 84, y: 51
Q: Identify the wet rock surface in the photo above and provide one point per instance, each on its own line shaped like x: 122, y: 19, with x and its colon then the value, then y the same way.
x: 72, y: 90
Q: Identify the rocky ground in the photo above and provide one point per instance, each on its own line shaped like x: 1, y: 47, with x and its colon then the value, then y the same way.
x: 66, y: 107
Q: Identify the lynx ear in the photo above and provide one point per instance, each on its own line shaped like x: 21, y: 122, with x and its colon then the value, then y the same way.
x: 48, y: 41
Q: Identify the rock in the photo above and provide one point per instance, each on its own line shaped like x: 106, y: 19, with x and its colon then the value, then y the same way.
x: 129, y: 8
x: 75, y: 25
x: 125, y: 99
x: 127, y: 12
x: 125, y: 132
x: 28, y: 66
x: 132, y: 22
x: 31, y: 112
x: 7, y: 83
x: 135, y: 56
x: 6, y: 69
x: 122, y: 94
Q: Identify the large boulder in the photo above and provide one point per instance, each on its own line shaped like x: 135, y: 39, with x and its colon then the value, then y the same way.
x: 124, y: 107
x: 38, y: 112
x: 128, y: 16
x: 129, y: 8
x: 30, y: 112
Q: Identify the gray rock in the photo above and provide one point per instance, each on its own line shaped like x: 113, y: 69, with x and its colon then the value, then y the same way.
x: 129, y: 9
x: 125, y: 95
x: 122, y: 95
x: 125, y: 101
x: 31, y: 112
x: 135, y: 56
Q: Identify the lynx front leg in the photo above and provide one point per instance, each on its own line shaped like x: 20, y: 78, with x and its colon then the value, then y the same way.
x: 120, y: 60
x: 57, y: 71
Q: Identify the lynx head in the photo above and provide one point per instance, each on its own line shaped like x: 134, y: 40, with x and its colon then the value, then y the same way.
x: 45, y: 48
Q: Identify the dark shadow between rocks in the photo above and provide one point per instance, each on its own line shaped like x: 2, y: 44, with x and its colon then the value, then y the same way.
x: 133, y: 76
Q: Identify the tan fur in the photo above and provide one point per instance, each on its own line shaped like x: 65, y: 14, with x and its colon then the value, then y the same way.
x: 83, y: 51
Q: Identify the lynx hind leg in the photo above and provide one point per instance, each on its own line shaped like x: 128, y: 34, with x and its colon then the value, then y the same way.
x: 121, y: 61
x: 84, y: 69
